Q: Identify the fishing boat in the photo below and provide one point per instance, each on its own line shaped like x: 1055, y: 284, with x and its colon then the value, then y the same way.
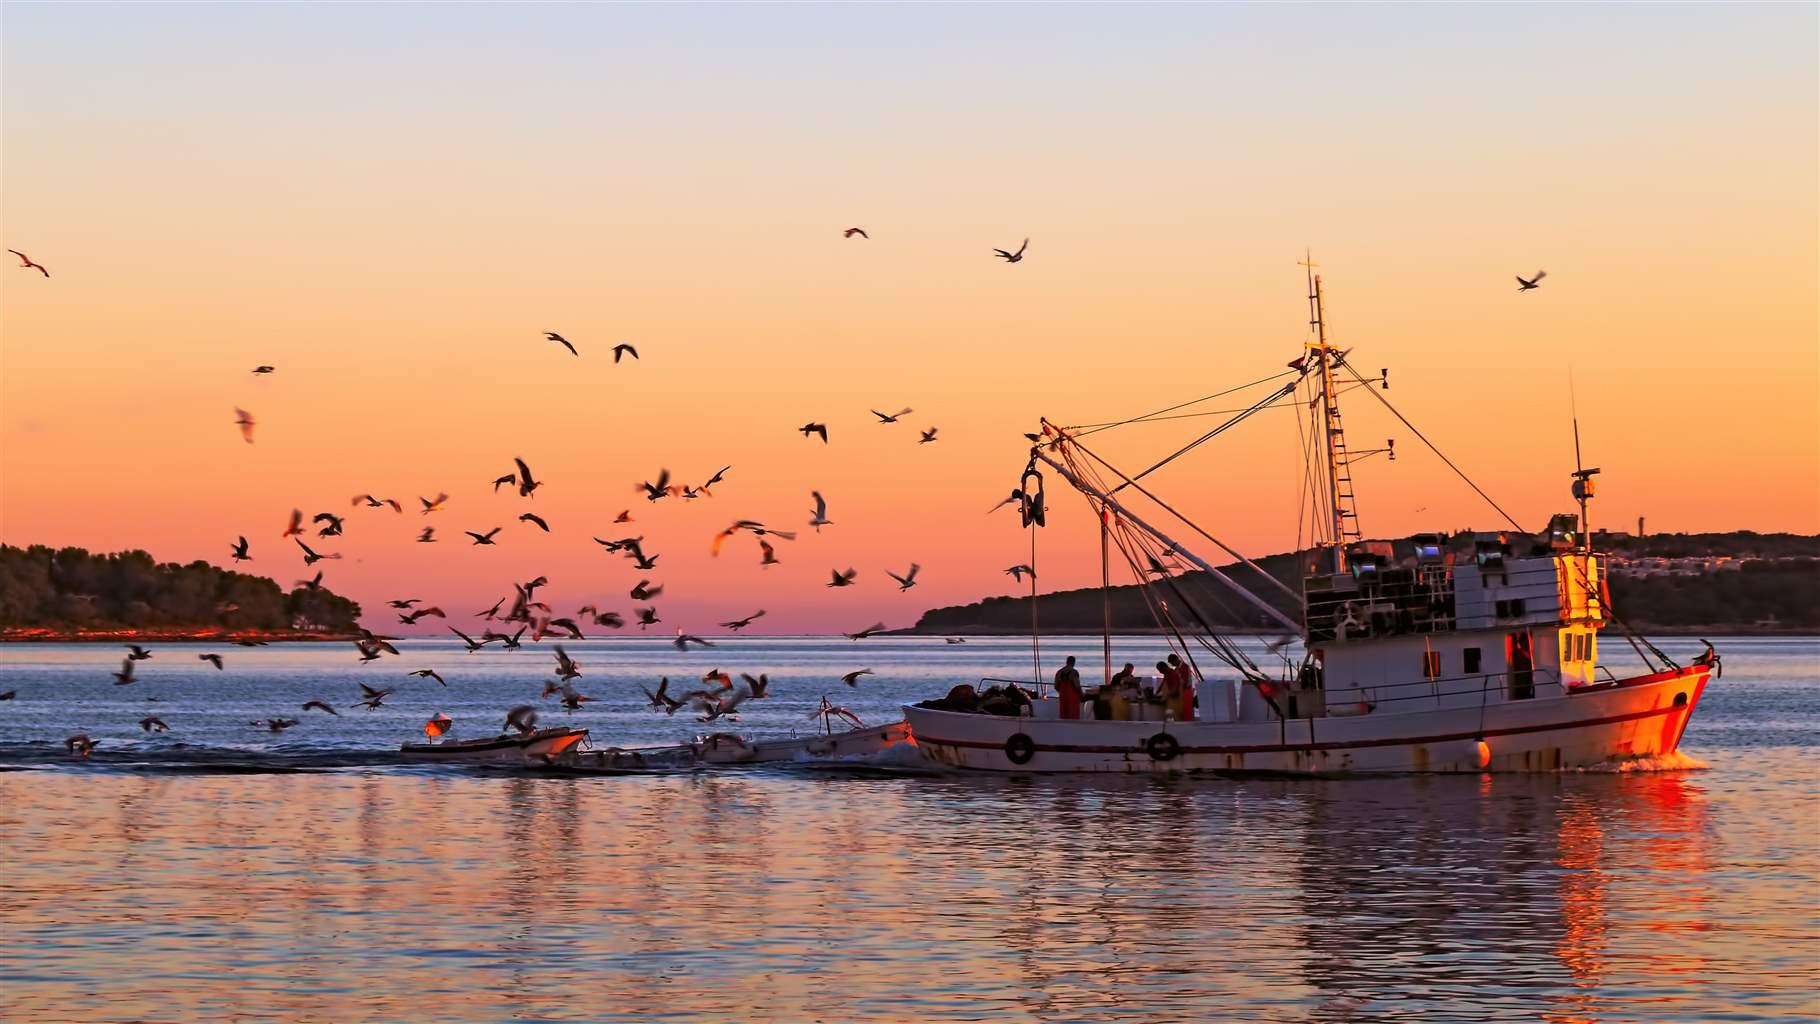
x: 1463, y: 652
x: 537, y: 747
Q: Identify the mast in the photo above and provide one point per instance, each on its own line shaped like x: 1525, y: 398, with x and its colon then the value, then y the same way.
x: 1345, y: 518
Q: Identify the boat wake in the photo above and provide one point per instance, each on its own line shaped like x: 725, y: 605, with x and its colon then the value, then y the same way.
x: 897, y: 759
x: 1673, y: 761
x: 198, y: 760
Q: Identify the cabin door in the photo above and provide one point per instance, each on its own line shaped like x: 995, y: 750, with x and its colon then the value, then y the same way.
x: 1520, y: 662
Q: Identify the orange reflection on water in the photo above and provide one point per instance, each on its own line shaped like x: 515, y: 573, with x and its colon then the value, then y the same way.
x: 775, y: 896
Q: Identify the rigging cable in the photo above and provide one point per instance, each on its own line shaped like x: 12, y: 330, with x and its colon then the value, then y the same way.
x: 1096, y: 427
x: 1191, y: 524
x: 1255, y: 407
x: 1431, y: 447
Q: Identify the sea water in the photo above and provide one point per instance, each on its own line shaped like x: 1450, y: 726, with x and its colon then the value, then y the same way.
x: 220, y: 871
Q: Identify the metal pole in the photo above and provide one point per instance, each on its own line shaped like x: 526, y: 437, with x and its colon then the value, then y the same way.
x: 1036, y: 644
x: 1258, y: 602
x: 1106, y: 596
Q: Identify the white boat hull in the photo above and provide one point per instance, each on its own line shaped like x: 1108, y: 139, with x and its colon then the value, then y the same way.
x: 1633, y: 718
x: 731, y: 749
x: 545, y: 746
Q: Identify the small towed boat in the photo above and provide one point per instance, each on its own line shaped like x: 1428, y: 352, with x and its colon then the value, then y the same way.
x: 728, y: 748
x: 624, y: 761
x: 538, y: 747
x: 725, y: 748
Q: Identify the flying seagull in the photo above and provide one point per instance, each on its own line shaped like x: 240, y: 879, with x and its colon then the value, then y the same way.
x: 814, y: 428
x: 1531, y: 283
x: 526, y: 485
x: 623, y: 349
x: 244, y: 420
x: 882, y: 418
x: 310, y: 557
x: 26, y: 262
x: 1012, y: 257
x: 821, y: 512
x: 213, y: 659
x: 1016, y: 572
x: 240, y: 554
x: 537, y: 520
x: 852, y: 678
x: 928, y: 435
x: 738, y: 624
x: 850, y: 232
x: 660, y: 489
x: 842, y: 579
x: 560, y: 340
x: 374, y: 698
x: 683, y: 640
x: 482, y: 538
x: 907, y: 580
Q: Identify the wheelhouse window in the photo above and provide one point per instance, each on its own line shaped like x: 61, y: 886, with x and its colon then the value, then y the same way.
x: 1471, y: 657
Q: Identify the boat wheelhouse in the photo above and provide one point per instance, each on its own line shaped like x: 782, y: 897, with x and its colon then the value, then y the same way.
x: 1468, y: 652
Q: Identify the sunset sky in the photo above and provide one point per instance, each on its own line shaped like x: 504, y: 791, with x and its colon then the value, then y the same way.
x: 391, y: 204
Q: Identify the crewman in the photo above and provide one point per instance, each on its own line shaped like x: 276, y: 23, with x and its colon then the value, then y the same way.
x: 1184, y: 689
x: 1068, y: 688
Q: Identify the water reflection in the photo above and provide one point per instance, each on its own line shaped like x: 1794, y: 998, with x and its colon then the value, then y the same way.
x: 771, y: 896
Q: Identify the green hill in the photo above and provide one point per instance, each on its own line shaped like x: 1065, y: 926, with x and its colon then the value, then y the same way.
x: 69, y: 592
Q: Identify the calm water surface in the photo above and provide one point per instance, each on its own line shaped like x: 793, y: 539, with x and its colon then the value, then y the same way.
x: 169, y: 879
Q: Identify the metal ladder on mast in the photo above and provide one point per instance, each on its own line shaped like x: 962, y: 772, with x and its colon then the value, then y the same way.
x: 1342, y: 480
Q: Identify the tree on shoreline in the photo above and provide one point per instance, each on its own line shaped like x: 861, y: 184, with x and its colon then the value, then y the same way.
x: 70, y: 588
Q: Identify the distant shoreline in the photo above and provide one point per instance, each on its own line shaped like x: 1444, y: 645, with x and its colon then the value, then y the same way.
x: 170, y: 635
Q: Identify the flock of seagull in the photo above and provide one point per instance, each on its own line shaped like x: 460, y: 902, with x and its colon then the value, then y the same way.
x: 717, y: 697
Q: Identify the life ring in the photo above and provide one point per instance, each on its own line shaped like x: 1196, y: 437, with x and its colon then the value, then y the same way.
x: 1020, y: 748
x: 1163, y: 747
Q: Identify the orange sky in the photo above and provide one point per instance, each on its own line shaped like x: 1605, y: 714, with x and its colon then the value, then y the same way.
x: 395, y: 231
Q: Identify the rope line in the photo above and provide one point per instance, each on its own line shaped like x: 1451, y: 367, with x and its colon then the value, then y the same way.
x: 1431, y: 447
x: 1094, y: 428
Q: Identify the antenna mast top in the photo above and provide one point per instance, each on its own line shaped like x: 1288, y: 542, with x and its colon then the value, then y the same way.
x: 1584, y: 487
